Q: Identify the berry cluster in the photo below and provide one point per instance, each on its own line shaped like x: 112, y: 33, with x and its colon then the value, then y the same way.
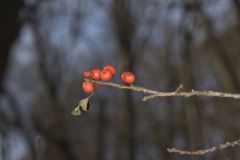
x: 105, y: 74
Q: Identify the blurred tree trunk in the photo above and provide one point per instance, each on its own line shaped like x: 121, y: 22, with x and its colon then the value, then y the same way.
x: 225, y: 70
x: 190, y: 105
x: 236, y: 4
x: 55, y: 130
x: 101, y: 130
x: 124, y: 27
x: 10, y: 26
x: 186, y: 72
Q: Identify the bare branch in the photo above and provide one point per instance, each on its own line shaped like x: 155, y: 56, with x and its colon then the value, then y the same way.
x: 178, y: 92
x: 205, y: 151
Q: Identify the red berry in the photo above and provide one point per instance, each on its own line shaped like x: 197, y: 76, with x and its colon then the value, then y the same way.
x: 111, y: 68
x: 88, y: 87
x: 87, y: 74
x: 96, y: 74
x: 128, y: 77
x: 106, y: 75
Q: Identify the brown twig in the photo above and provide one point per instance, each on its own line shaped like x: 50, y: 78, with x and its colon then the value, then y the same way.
x: 205, y: 151
x: 177, y: 92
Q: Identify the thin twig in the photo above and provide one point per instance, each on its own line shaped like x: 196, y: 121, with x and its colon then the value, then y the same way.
x: 177, y: 92
x: 205, y: 151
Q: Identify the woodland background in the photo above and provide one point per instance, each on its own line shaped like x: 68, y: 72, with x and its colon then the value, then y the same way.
x: 45, y: 45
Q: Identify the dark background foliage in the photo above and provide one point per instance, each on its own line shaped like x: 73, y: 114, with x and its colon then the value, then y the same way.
x: 46, y: 45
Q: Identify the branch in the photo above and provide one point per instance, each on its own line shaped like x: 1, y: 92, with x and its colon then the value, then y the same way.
x: 205, y: 151
x: 178, y: 92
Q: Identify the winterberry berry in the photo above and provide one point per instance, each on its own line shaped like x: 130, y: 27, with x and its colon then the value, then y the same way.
x: 96, y: 74
x: 106, y: 75
x: 111, y: 68
x: 88, y: 87
x: 128, y: 77
x: 87, y: 74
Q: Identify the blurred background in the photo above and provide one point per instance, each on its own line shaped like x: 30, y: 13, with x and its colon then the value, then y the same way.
x: 45, y: 45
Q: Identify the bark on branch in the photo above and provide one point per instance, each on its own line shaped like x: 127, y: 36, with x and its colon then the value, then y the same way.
x: 205, y: 151
x: 178, y: 92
